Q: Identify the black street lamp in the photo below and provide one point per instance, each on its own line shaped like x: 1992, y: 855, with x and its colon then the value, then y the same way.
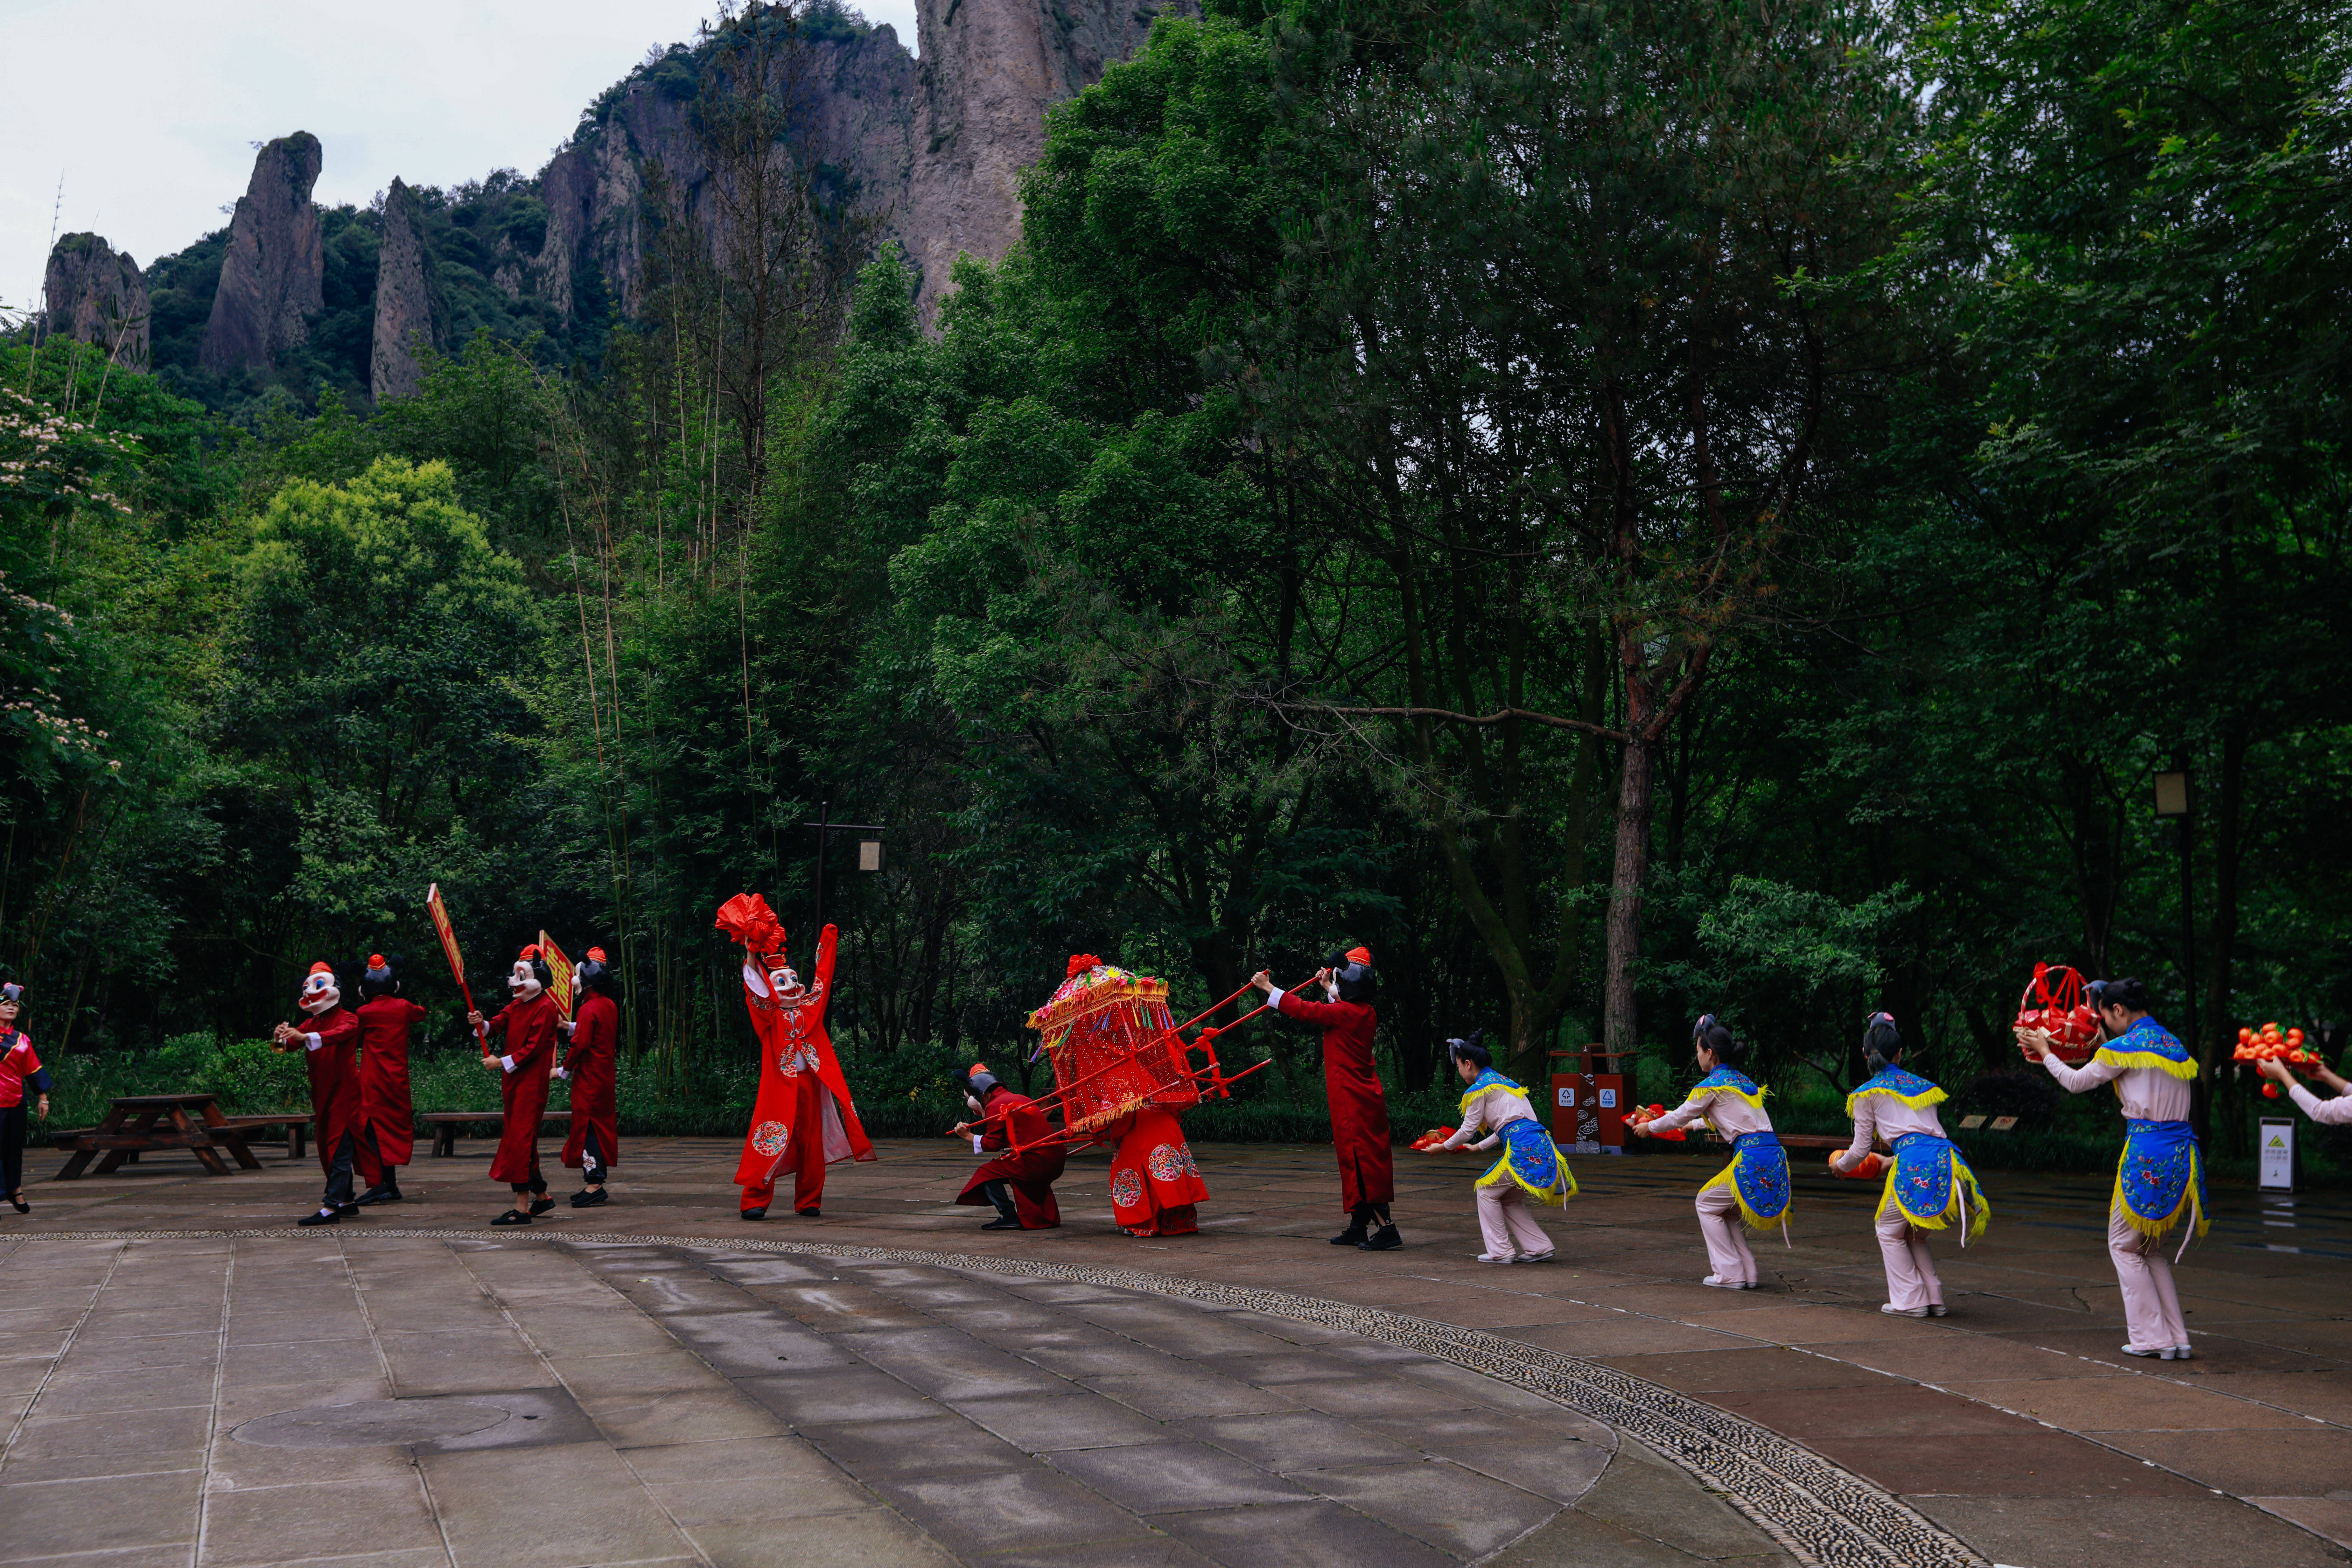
x: 870, y: 850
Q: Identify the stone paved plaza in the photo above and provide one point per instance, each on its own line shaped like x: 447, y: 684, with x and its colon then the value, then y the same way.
x: 184, y: 1379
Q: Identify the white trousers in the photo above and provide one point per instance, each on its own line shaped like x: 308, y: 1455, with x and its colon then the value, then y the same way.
x: 1727, y: 1256
x: 1504, y: 1224
x: 1911, y: 1281
x: 2151, y: 1306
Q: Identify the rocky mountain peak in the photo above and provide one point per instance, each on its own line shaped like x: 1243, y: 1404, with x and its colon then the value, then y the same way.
x: 404, y: 299
x: 94, y: 294
x: 273, y: 273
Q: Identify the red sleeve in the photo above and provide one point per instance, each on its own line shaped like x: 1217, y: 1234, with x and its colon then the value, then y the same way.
x: 415, y: 1013
x: 343, y: 1030
x: 538, y: 1031
x: 1329, y: 1014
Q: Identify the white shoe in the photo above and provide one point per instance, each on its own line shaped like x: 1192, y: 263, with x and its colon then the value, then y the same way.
x: 1544, y: 1256
x: 1937, y: 1310
x: 1893, y: 1310
x: 1720, y: 1283
x: 1492, y: 1257
x: 2164, y: 1353
x: 2178, y: 1352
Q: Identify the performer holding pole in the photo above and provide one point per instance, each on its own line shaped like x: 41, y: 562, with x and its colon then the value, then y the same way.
x: 1359, y: 1109
x: 328, y: 1038
x: 2160, y: 1179
x: 387, y: 1126
x: 804, y: 1119
x: 1929, y: 1184
x: 527, y: 1024
x: 20, y: 1069
x: 1754, y: 1185
x: 441, y: 927
x: 1020, y: 1184
x: 595, y: 1146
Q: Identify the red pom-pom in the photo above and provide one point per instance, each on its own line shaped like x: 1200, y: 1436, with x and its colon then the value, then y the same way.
x: 1364, y: 955
x: 376, y: 961
x: 1080, y: 963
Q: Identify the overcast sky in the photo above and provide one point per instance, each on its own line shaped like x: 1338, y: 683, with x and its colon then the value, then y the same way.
x: 147, y: 110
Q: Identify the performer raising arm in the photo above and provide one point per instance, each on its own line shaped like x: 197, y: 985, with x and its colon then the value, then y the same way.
x: 2336, y: 1112
x: 526, y: 1022
x: 2160, y: 1179
x: 1360, y: 1108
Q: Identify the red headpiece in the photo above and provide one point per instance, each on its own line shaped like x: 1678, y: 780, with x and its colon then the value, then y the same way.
x: 530, y: 953
x: 1080, y: 963
x: 1360, y: 956
x: 747, y: 918
x: 596, y: 956
x: 323, y: 967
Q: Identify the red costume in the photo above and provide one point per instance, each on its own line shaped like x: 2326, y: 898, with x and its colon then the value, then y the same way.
x: 804, y: 1119
x: 528, y: 1024
x: 330, y: 1040
x: 1359, y: 1109
x: 386, y: 1116
x: 1029, y: 1174
x: 1154, y: 1185
x: 595, y: 1103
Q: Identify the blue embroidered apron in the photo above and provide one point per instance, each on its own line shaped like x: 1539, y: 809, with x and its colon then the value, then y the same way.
x: 1529, y: 1159
x: 1931, y: 1181
x: 1758, y: 1178
x: 2160, y: 1179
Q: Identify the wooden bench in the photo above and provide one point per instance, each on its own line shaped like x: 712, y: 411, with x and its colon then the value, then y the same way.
x: 136, y: 1123
x: 298, y: 1130
x: 446, y: 1124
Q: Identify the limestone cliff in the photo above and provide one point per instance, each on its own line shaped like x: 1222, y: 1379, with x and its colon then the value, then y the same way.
x: 935, y: 148
x: 404, y: 299
x: 272, y: 275
x: 94, y: 293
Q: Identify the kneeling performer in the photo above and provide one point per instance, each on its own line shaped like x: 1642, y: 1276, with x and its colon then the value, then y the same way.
x: 1020, y: 1184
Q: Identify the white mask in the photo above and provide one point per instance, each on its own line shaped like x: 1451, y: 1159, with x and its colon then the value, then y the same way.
x: 523, y: 982
x: 319, y: 993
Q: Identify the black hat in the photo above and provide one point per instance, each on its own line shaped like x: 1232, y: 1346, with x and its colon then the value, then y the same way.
x: 1352, y: 973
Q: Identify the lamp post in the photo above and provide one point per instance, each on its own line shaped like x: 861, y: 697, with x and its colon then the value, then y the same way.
x: 869, y: 851
x: 2172, y: 800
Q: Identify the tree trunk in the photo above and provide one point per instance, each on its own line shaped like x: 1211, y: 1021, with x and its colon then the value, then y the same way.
x: 1621, y: 1028
x: 2220, y: 1020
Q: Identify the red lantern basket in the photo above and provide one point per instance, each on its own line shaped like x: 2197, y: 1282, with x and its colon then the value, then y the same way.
x: 2053, y: 1001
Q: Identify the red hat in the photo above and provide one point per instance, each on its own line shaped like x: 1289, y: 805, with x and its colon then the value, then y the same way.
x: 596, y: 956
x: 1360, y: 956
x: 530, y: 952
x: 323, y: 967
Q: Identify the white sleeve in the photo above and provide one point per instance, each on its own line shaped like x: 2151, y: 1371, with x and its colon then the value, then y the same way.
x: 1682, y: 1115
x: 1274, y: 998
x: 2336, y: 1112
x: 507, y: 1062
x: 315, y: 1042
x: 2090, y: 1075
x: 975, y: 1144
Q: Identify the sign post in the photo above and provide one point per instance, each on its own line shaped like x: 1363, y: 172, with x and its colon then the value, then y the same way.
x: 2277, y: 1146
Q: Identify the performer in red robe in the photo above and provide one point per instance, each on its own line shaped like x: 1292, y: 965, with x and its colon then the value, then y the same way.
x: 1155, y: 1186
x: 528, y: 1024
x: 1020, y: 1184
x: 20, y: 1072
x: 327, y: 1037
x: 595, y: 1146
x: 1359, y: 1109
x: 387, y: 1128
x: 804, y: 1119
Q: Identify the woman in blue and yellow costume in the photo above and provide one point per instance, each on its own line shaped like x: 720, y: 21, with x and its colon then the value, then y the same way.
x: 2160, y: 1180
x: 1529, y: 1165
x: 1928, y: 1184
x: 1754, y: 1185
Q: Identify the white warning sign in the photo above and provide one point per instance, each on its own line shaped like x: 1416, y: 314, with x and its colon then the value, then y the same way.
x: 2277, y: 1154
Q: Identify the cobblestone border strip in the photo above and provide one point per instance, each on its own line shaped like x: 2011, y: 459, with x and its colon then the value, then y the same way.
x: 1820, y: 1513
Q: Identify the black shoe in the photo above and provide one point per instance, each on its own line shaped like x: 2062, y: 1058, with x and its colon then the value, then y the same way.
x: 348, y: 1211
x: 374, y: 1196
x: 16, y: 1201
x: 760, y: 1213
x: 324, y: 1216
x: 1352, y: 1237
x: 1385, y: 1239
x: 512, y: 1216
x: 589, y: 1199
x: 806, y: 1214
x: 1003, y: 1222
x: 540, y: 1206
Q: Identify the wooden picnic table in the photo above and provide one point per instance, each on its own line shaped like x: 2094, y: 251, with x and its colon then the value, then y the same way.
x: 448, y: 1124
x: 137, y: 1123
